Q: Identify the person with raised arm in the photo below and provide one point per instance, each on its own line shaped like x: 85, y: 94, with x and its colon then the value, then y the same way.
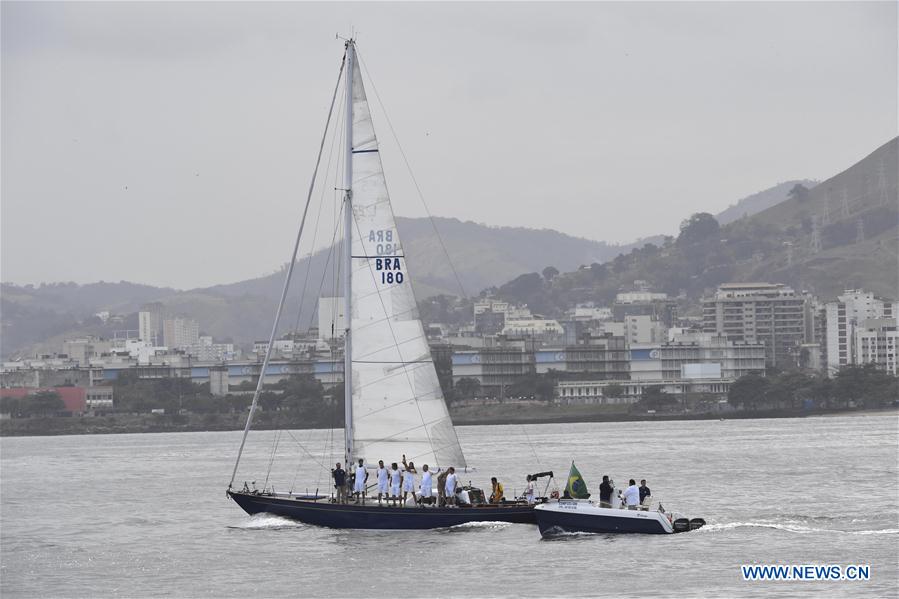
x: 409, y: 473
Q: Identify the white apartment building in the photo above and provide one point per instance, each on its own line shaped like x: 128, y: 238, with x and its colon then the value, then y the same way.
x: 180, y: 332
x: 844, y: 318
x: 875, y: 343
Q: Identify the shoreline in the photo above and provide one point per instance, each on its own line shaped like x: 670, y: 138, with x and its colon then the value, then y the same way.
x: 487, y: 415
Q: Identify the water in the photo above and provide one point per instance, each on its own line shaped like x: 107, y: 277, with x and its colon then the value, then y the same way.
x: 146, y: 515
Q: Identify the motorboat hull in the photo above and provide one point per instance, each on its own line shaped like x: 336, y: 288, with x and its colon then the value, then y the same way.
x: 322, y: 512
x: 583, y: 516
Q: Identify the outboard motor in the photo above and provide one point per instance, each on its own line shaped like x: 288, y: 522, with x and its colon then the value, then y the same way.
x: 696, y: 523
x: 681, y: 525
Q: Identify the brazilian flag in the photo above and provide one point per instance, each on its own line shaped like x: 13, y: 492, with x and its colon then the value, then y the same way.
x: 576, y: 487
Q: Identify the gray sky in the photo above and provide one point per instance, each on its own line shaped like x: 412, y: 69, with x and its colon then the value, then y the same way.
x: 172, y: 143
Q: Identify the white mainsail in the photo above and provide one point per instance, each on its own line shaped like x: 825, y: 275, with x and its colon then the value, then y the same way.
x: 397, y: 405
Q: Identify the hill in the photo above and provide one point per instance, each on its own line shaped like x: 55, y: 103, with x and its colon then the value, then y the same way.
x: 38, y: 318
x: 762, y: 200
x: 843, y: 233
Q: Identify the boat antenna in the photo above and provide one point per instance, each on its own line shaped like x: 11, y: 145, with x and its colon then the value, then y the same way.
x: 291, y: 264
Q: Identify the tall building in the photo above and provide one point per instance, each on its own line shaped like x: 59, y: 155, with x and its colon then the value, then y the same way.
x: 180, y: 332
x: 844, y: 318
x: 876, y: 340
x: 768, y: 313
x: 150, y: 323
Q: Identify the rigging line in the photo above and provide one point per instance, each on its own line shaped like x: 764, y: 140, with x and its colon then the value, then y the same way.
x: 412, y: 175
x: 336, y: 212
x: 321, y: 284
x: 293, y: 260
x: 309, y: 453
x: 531, y: 445
x: 271, y: 458
x: 318, y: 217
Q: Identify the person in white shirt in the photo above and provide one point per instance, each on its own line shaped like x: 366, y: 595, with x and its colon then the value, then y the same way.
x: 395, y: 476
x: 426, y: 490
x: 382, y: 480
x: 529, y: 490
x: 449, y: 487
x: 631, y: 495
x: 361, y: 479
x: 409, y: 472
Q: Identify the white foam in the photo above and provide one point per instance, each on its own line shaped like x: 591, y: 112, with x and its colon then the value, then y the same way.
x: 268, y: 521
x: 791, y: 526
x: 483, y: 524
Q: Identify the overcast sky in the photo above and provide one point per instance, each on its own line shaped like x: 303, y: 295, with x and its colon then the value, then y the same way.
x: 172, y: 143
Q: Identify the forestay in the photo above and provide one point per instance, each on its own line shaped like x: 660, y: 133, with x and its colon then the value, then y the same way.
x: 398, y: 407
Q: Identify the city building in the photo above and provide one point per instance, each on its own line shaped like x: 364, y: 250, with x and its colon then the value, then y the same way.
x: 644, y: 303
x: 180, y: 332
x: 206, y: 350
x: 601, y: 357
x: 494, y: 367
x: 149, y: 321
x: 532, y: 327
x: 644, y: 328
x: 844, y: 317
x: 875, y: 343
x: 768, y: 313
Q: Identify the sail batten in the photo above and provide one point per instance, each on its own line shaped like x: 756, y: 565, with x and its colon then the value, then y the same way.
x: 397, y: 404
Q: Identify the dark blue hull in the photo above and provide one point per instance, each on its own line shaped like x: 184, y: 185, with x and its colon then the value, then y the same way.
x: 553, y: 522
x: 332, y: 515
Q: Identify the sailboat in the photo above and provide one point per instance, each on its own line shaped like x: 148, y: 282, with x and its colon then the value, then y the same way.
x: 393, y: 401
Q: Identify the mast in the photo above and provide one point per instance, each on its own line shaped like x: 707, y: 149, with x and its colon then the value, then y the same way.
x: 348, y: 257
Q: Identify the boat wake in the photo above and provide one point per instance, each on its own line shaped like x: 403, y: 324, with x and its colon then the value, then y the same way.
x: 482, y: 525
x: 793, y: 526
x: 268, y: 522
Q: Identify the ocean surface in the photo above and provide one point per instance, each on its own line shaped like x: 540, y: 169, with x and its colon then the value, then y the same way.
x: 146, y: 515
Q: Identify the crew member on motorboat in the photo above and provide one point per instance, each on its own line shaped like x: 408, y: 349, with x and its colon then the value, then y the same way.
x: 631, y: 495
x: 605, y: 492
x: 382, y: 480
x: 497, y: 495
x: 409, y: 480
x: 449, y: 487
x: 395, y: 478
x: 529, y: 490
x: 361, y: 479
x: 644, y: 491
x: 339, y: 475
x: 427, y: 486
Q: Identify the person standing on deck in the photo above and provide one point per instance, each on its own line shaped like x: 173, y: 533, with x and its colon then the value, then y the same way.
x: 449, y: 486
x: 361, y: 479
x: 409, y: 472
x: 529, y: 490
x: 395, y: 478
x: 426, y: 490
x: 631, y: 495
x: 605, y: 492
x: 644, y: 491
x: 382, y: 480
x: 339, y: 475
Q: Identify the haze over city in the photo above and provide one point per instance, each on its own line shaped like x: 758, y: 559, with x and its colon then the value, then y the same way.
x: 172, y: 143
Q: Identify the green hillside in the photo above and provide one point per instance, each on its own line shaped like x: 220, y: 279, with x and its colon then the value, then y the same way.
x: 814, y: 241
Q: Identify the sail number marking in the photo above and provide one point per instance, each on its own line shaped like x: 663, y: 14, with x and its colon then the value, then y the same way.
x: 389, y: 269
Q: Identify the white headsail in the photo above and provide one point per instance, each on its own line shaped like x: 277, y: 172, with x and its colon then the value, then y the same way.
x: 397, y: 405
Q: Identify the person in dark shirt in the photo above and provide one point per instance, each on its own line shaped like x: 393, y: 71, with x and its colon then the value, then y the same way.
x: 605, y: 492
x: 339, y: 475
x: 644, y: 491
